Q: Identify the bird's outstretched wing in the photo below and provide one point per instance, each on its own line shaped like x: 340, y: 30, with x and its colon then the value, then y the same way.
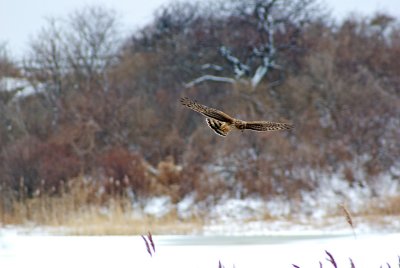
x: 267, y: 126
x: 207, y: 111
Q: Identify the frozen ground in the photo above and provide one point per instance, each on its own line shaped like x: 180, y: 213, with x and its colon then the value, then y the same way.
x: 253, y: 216
x: 238, y: 233
x: 19, y: 250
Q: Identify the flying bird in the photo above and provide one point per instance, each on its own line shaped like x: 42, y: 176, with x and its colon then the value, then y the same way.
x: 222, y: 123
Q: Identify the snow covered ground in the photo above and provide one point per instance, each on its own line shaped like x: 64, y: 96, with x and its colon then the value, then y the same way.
x: 238, y: 232
x: 280, y: 250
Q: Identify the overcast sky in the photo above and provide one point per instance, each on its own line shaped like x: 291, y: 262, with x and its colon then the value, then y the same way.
x: 22, y: 19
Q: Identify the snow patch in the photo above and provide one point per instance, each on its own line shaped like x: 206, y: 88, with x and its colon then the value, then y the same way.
x: 23, y: 87
x: 238, y: 209
x: 158, y: 206
x: 186, y: 208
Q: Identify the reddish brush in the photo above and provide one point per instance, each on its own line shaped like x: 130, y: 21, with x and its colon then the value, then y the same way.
x: 352, y: 264
x: 222, y: 266
x: 149, y: 242
x: 331, y: 259
x: 147, y: 245
x: 150, y: 237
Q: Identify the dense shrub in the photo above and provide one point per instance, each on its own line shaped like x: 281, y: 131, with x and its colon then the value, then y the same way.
x: 31, y: 165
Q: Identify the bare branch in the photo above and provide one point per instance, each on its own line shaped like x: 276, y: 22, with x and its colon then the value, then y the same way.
x: 239, y: 69
x: 210, y: 78
x: 214, y: 67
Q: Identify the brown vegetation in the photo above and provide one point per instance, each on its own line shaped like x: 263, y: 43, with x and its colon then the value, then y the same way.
x: 110, y: 112
x: 331, y: 260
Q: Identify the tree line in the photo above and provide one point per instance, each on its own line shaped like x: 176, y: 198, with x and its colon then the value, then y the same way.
x: 107, y: 105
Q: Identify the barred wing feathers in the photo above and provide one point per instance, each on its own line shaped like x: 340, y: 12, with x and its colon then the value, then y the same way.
x: 207, y: 111
x: 267, y: 126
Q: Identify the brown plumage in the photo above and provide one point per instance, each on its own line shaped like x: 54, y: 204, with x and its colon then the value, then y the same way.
x: 222, y: 123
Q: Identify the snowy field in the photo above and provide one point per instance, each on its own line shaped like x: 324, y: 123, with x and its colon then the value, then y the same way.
x: 275, y: 250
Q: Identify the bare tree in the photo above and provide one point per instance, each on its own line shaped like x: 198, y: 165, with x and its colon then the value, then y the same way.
x: 8, y: 69
x: 91, y: 43
x: 7, y: 66
x: 46, y: 62
x: 269, y: 18
x: 73, y: 54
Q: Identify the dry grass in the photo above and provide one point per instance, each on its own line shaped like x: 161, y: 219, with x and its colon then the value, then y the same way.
x: 78, y: 211
x: 377, y: 213
x: 82, y: 208
x: 129, y: 226
x: 387, y: 206
x: 92, y: 220
x: 348, y: 217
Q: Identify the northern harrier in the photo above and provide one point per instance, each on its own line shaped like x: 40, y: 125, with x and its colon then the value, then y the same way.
x: 222, y: 123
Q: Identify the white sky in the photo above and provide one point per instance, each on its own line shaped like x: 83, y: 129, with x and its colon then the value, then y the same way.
x: 22, y: 19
